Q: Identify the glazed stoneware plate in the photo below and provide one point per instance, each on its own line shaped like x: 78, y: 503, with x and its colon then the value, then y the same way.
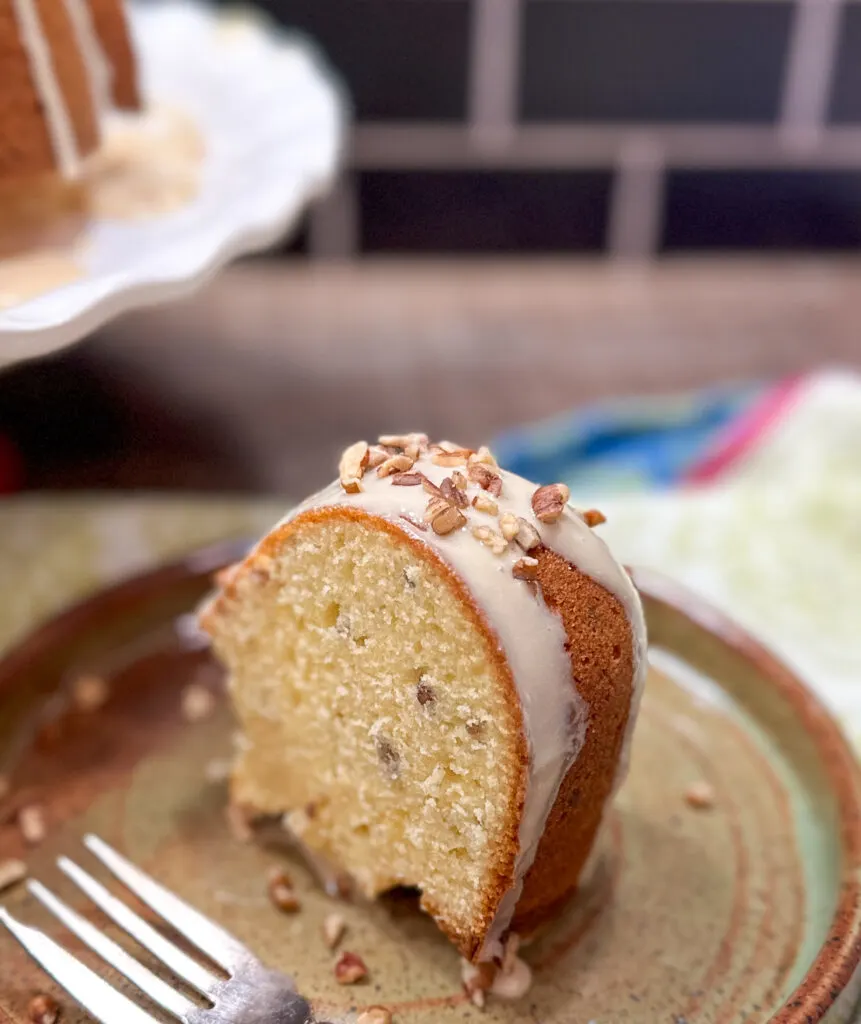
x: 742, y: 910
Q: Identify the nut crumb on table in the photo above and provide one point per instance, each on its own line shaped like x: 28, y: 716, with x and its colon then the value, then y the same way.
x: 700, y: 795
x: 31, y: 823
x: 43, y: 1009
x: 11, y: 873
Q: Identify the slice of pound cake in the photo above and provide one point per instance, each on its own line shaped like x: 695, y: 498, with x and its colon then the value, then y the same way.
x: 436, y: 667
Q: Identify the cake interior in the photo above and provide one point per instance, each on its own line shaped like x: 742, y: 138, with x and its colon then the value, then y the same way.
x: 374, y: 709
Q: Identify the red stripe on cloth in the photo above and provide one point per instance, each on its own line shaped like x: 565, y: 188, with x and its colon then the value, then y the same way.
x: 744, y: 434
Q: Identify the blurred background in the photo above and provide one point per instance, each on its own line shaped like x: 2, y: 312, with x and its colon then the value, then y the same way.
x: 545, y: 204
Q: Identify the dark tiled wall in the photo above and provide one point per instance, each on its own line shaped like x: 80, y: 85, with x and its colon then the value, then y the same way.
x: 648, y: 60
x: 594, y: 63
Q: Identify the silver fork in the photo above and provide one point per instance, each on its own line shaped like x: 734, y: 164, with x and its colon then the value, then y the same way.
x: 251, y: 994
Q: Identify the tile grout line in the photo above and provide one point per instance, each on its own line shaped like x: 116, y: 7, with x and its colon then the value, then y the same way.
x: 494, y: 71
x: 810, y: 65
x: 635, y: 217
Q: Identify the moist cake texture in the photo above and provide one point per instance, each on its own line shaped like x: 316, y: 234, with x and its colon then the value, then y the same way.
x: 436, y: 667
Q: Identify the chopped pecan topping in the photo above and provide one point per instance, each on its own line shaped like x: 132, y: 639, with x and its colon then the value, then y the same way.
x: 548, y: 502
x: 483, y: 456
x: 407, y: 479
x: 377, y: 456
x: 443, y: 517
x: 411, y: 440
x: 527, y: 537
x: 352, y: 466
x: 484, y: 503
x: 452, y: 494
x: 430, y: 487
x: 395, y: 464
x: 593, y: 517
x: 485, y: 477
x: 525, y: 568
x: 349, y: 969
x: 459, y: 480
x: 455, y: 458
x: 508, y: 525
x: 491, y: 538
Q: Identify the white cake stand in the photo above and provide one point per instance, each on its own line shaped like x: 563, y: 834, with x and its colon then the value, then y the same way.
x: 272, y: 120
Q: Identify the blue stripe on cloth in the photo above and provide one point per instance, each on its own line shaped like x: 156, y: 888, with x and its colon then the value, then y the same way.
x: 625, y: 443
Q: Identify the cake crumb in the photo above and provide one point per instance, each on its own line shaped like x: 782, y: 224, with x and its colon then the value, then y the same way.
x: 700, y: 795
x: 89, y: 692
x: 375, y: 1015
x: 334, y: 927
x: 11, y: 873
x: 476, y: 980
x: 198, y: 702
x: 350, y: 969
x: 31, y: 823
x: 43, y: 1009
x: 281, y: 892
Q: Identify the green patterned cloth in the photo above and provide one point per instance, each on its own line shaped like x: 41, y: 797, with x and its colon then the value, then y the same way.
x: 777, y: 543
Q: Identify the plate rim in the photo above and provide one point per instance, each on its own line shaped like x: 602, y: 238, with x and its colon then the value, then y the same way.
x: 836, y: 965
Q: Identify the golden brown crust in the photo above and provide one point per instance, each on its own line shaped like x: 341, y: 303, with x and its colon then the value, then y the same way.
x: 502, y: 872
x: 25, y: 142
x: 600, y: 645
x: 109, y: 21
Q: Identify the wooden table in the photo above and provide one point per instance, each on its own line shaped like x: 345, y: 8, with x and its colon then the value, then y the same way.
x: 259, y: 380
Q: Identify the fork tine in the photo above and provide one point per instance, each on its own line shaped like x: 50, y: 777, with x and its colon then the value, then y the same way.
x: 158, y: 990
x: 205, y: 934
x: 95, y: 995
x: 177, y: 960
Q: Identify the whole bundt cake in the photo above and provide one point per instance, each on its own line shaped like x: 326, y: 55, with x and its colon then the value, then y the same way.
x: 62, y: 63
x: 436, y: 667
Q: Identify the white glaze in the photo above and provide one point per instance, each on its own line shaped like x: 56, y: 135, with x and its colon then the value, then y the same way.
x: 99, y: 70
x: 44, y: 76
x: 530, y: 635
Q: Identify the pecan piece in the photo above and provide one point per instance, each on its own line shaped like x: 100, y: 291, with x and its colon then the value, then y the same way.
x: 407, y: 479
x: 508, y: 525
x: 352, y: 466
x: 484, y: 503
x: 525, y: 568
x: 443, y: 517
x: 527, y: 537
x: 349, y: 969
x: 490, y: 538
x: 395, y: 464
x: 548, y: 502
x: 452, y: 494
x: 593, y: 517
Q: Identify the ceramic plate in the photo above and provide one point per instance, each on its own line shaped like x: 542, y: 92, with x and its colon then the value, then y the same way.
x: 744, y: 911
x: 271, y: 117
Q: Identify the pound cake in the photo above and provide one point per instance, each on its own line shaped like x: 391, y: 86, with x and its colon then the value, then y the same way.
x: 64, y: 63
x: 436, y: 668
